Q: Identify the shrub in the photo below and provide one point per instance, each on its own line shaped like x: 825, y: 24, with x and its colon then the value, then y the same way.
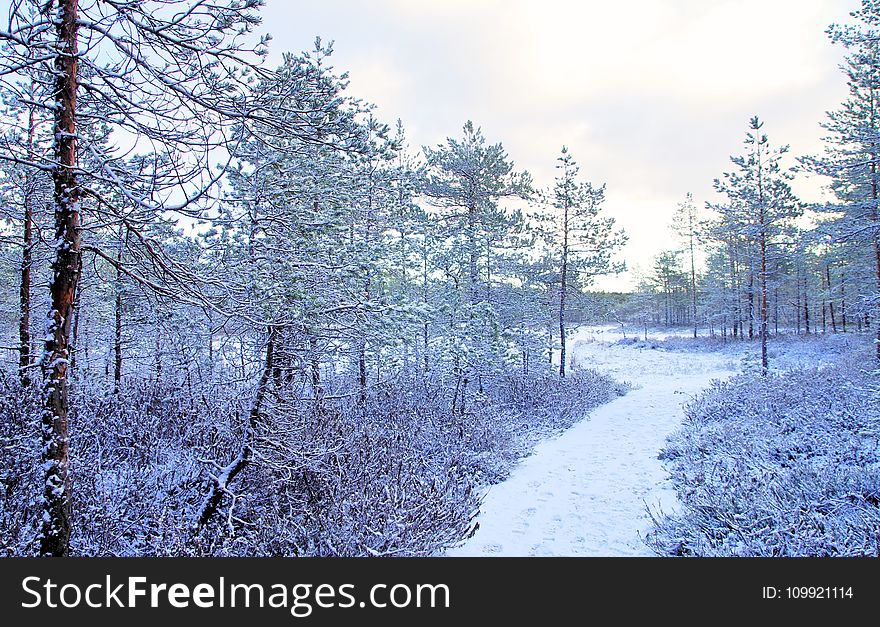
x: 783, y: 465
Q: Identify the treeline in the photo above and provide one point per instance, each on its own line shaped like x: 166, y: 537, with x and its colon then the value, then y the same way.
x: 267, y: 313
x: 773, y: 262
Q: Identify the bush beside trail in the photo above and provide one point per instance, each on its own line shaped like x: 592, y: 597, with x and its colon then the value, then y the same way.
x: 397, y: 473
x: 782, y: 465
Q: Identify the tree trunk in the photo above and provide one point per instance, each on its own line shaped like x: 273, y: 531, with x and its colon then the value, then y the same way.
x: 117, y: 339
x: 24, y: 321
x: 874, y: 216
x: 317, y: 391
x: 362, y: 372
x: 797, y: 302
x: 877, y: 308
x: 764, y: 360
x: 563, y: 281
x: 693, y: 271
x: 220, y: 482
x: 830, y: 297
x: 488, y: 270
x: 734, y: 291
x: 55, y: 531
x: 751, y: 295
x: 157, y: 356
x: 74, y: 333
x: 362, y: 352
x: 776, y: 310
x: 473, y: 267
x: 210, y: 341
x: 806, y: 309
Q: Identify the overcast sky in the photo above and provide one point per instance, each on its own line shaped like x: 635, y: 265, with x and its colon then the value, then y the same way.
x: 650, y: 96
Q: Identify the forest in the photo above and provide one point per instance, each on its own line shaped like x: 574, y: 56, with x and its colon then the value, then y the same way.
x: 243, y: 316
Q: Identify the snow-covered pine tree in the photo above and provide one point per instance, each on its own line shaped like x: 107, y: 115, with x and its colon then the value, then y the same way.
x: 466, y: 180
x: 686, y: 224
x: 852, y: 155
x: 26, y: 195
x: 582, y: 240
x: 759, y: 188
x: 169, y: 75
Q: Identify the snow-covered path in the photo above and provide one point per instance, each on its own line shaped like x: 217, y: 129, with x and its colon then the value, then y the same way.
x: 585, y: 492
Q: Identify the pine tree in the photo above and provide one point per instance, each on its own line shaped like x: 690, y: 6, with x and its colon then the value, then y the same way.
x: 852, y: 157
x: 466, y: 179
x: 140, y: 69
x: 686, y: 224
x: 759, y: 189
x: 581, y: 239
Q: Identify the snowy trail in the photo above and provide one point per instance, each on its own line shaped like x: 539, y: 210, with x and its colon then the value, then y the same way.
x: 585, y: 492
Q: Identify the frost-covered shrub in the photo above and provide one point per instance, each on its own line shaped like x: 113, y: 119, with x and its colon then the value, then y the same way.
x: 783, y: 465
x: 19, y: 467
x: 397, y: 473
x: 135, y: 462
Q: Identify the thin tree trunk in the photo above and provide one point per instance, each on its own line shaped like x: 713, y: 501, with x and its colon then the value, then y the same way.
x: 425, y: 300
x: 874, y: 216
x: 158, y: 353
x: 667, y: 314
x: 562, y: 289
x: 764, y: 359
x: 425, y: 344
x: 117, y: 339
x: 797, y: 302
x: 362, y: 372
x: 693, y: 270
x: 74, y: 333
x: 830, y: 297
x: 751, y: 295
x: 473, y: 268
x: 488, y: 270
x: 877, y: 308
x: 210, y: 341
x: 55, y: 531
x: 776, y: 310
x: 362, y: 352
x: 317, y: 391
x: 806, y: 308
x: 762, y: 221
x: 220, y: 482
x: 734, y: 290
x: 24, y: 321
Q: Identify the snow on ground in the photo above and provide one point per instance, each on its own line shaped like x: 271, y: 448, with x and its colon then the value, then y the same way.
x: 587, y: 491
